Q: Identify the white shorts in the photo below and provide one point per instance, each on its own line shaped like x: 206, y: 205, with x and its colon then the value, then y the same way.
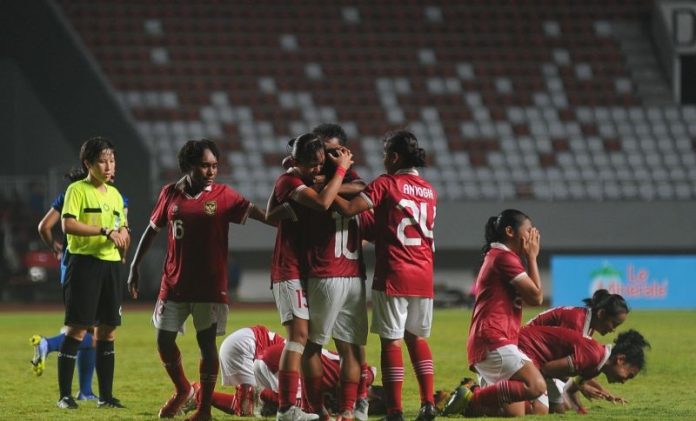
x: 391, y: 316
x: 291, y: 300
x: 170, y: 316
x: 338, y: 309
x: 264, y: 377
x: 237, y: 354
x: 501, y: 364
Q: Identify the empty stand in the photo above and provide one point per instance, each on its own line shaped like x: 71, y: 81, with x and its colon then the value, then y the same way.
x: 512, y: 100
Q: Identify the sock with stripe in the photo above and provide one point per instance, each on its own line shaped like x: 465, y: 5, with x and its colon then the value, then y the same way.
x: 392, y: 376
x: 422, y: 360
x: 66, y: 365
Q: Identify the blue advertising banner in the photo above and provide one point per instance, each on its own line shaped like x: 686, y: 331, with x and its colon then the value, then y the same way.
x: 644, y: 281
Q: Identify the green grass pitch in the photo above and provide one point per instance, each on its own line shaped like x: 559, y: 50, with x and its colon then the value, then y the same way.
x: 664, y: 391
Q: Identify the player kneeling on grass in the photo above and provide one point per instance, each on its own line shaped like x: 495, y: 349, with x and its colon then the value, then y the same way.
x: 562, y: 353
x: 265, y: 369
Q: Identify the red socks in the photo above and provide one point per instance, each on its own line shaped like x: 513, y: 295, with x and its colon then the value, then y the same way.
x: 312, y: 389
x: 172, y: 363
x: 287, y: 388
x: 503, y: 392
x: 208, y: 370
x: 392, y: 376
x: 225, y: 402
x: 363, y: 385
x: 349, y: 392
x: 422, y: 360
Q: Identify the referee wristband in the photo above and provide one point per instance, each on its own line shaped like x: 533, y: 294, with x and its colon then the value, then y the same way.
x: 103, y: 232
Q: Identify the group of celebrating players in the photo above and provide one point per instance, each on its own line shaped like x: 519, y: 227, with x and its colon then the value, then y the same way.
x: 322, y: 212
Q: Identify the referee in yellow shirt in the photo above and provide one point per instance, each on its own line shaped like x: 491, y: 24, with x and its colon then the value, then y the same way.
x: 94, y: 221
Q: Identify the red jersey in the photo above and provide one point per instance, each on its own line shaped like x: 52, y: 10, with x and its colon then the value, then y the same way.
x: 333, y: 245
x: 404, y: 206
x: 498, y: 308
x: 195, y: 268
x: 544, y: 343
x: 367, y: 226
x: 330, y: 364
x: 333, y: 242
x: 288, y: 254
x: 265, y: 339
x: 573, y: 318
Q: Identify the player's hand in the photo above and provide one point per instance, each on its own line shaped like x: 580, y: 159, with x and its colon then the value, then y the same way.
x: 57, y: 250
x: 343, y: 159
x: 591, y: 392
x: 133, y: 280
x: 615, y: 399
x: 532, y: 243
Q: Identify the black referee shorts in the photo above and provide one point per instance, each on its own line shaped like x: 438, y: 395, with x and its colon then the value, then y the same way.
x: 92, y: 292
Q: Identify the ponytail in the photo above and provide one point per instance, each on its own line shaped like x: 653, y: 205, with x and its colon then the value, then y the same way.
x: 612, y: 304
x: 406, y: 145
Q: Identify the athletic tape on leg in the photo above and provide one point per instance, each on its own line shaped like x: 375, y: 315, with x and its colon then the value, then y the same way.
x: 294, y: 347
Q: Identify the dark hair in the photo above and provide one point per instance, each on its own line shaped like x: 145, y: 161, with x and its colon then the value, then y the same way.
x: 90, y: 151
x: 305, y: 147
x: 406, y: 145
x: 495, y: 226
x: 75, y: 174
x: 328, y: 131
x: 612, y: 304
x: 631, y: 344
x: 191, y: 153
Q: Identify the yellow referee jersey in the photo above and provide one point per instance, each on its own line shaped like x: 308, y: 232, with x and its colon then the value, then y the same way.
x: 93, y: 207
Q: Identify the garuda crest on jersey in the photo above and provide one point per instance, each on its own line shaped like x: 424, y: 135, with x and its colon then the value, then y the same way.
x: 210, y: 207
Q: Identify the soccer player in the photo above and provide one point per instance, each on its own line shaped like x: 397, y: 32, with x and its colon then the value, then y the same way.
x: 94, y: 220
x: 402, y: 289
x: 334, y: 137
x: 603, y: 313
x: 335, y: 296
x: 559, y: 352
x: 237, y: 355
x: 265, y: 369
x: 504, y: 284
x: 196, y: 213
x: 86, y: 354
x: 291, y: 192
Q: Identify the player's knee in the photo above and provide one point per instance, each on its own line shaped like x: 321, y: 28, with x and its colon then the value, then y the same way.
x: 536, y: 387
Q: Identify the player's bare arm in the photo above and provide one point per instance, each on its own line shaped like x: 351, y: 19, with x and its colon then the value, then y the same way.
x: 321, y: 201
x: 143, y: 246
x: 269, y: 218
x: 352, y: 189
x: 45, y: 232
x: 352, y: 207
x: 529, y: 286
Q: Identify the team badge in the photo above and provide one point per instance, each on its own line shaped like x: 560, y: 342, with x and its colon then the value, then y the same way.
x: 210, y: 207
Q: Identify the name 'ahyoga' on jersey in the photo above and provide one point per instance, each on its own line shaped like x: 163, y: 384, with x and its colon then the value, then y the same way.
x: 424, y: 192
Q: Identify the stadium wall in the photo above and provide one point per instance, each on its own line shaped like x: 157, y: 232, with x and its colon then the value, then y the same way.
x: 71, y: 87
